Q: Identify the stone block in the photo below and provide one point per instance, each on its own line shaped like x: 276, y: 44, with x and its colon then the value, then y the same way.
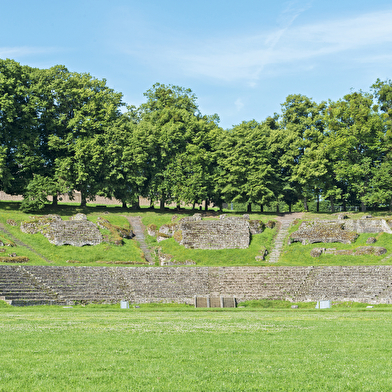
x: 311, y: 232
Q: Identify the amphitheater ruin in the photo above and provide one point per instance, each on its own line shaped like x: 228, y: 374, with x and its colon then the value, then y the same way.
x: 30, y: 284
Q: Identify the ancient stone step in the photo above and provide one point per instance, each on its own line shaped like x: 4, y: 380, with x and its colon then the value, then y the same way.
x: 139, y: 229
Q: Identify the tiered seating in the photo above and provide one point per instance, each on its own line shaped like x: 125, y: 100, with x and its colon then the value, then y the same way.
x: 49, y: 284
x: 153, y: 284
x: 359, y: 283
x: 261, y: 282
x: 18, y: 286
x: 79, y: 284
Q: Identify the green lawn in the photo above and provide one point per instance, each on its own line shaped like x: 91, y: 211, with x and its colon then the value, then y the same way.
x: 172, y: 348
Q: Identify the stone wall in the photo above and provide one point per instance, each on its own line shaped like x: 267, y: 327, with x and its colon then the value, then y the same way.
x: 78, y: 231
x: 371, y: 284
x: 216, y: 234
x: 367, y: 226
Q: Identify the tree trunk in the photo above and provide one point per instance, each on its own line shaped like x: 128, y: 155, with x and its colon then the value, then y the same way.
x: 178, y: 207
x: 206, y: 206
x: 249, y: 207
x: 290, y: 207
x: 193, y: 205
x: 83, y: 200
x: 55, y: 201
x: 332, y: 205
x: 277, y: 208
x: 390, y: 205
x: 136, y: 205
x: 151, y: 204
x: 162, y: 204
x: 306, y: 208
x: 344, y: 205
x: 124, y: 204
x: 318, y: 203
x: 261, y: 208
x: 363, y: 206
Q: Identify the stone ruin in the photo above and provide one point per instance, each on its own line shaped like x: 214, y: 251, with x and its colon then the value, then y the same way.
x: 196, y: 233
x: 322, y: 231
x: 78, y: 231
x: 344, y: 231
x: 361, y: 250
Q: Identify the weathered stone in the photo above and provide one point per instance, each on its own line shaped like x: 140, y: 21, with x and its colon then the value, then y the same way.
x: 317, y: 252
x: 256, y: 227
x: 344, y: 252
x: 223, y: 216
x: 368, y: 226
x: 367, y: 217
x: 342, y: 216
x: 213, y: 234
x: 168, y: 229
x: 76, y: 232
x: 162, y: 237
x: 11, y: 222
x: 322, y: 231
x: 151, y: 230
x: 294, y: 306
x: 270, y: 224
x: 246, y: 216
x: 174, y: 217
x: 370, y: 250
x: 79, y: 217
x: 371, y: 240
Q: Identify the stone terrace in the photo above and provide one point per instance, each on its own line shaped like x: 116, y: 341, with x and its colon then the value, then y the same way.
x: 50, y: 284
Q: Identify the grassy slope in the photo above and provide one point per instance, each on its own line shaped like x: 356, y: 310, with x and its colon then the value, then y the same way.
x: 294, y: 254
x: 109, y: 349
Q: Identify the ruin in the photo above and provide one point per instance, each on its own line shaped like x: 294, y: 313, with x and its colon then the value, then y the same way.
x: 226, y: 233
x: 78, y: 231
x: 345, y: 231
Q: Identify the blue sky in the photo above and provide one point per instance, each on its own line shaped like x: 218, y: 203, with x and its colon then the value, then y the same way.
x: 240, y: 58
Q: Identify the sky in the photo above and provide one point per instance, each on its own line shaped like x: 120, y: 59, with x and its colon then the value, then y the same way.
x: 240, y: 58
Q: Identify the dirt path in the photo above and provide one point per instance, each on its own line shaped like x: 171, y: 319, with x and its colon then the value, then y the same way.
x: 20, y: 243
x: 285, y: 221
x: 138, y: 230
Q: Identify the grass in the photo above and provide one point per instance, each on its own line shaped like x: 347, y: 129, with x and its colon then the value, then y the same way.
x: 99, y: 348
x: 220, y: 257
x: 293, y: 255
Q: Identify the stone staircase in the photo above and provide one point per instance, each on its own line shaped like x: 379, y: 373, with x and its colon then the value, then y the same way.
x: 36, y: 285
x: 20, y: 288
x: 284, y: 223
x: 138, y: 229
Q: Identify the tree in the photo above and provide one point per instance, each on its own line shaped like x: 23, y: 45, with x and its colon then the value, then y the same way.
x: 19, y: 131
x: 84, y: 108
x: 247, y: 175
x: 355, y: 141
x: 180, y: 154
x: 295, y: 142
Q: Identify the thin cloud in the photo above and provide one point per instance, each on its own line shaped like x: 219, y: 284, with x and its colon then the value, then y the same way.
x: 23, y: 51
x: 288, y: 46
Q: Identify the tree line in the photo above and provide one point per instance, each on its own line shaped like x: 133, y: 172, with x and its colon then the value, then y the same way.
x: 63, y: 131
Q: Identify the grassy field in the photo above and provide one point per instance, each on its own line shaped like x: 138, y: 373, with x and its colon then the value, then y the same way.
x: 177, y: 348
